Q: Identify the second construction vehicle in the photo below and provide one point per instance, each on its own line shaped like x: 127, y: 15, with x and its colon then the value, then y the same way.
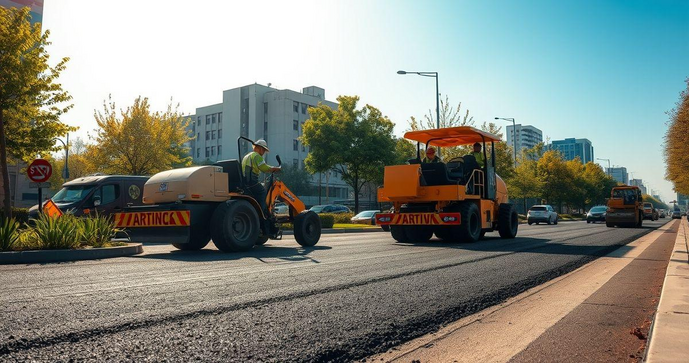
x: 625, y: 207
x: 190, y: 206
x: 457, y: 200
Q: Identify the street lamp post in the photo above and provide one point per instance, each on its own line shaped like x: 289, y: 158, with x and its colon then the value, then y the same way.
x: 437, y: 95
x: 608, y: 160
x: 514, y: 133
x: 65, y: 169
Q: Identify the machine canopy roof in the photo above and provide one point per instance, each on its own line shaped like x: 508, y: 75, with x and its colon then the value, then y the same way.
x: 451, y: 136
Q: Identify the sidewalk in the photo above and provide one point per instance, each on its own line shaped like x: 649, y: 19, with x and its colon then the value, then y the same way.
x: 669, y: 339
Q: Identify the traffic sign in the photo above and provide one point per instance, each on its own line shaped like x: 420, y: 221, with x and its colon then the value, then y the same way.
x: 39, y: 171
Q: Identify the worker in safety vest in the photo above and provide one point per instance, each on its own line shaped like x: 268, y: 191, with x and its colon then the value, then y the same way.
x: 431, y: 157
x: 479, y: 155
x: 253, y: 164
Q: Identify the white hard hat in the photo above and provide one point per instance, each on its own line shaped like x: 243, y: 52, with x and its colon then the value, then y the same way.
x: 262, y: 143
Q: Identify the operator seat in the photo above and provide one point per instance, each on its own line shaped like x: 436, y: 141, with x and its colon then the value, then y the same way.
x: 235, y: 179
x: 436, y: 174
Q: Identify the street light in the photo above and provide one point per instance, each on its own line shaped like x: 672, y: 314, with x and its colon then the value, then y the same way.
x: 65, y: 169
x: 514, y: 133
x: 608, y: 160
x: 437, y: 93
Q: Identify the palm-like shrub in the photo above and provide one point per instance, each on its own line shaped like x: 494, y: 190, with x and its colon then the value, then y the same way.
x: 97, y: 231
x: 8, y: 233
x: 58, y: 233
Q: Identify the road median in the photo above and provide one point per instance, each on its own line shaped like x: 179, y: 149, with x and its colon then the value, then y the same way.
x: 47, y: 256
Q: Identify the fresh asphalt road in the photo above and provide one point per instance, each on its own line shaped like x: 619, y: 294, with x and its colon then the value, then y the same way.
x: 349, y: 297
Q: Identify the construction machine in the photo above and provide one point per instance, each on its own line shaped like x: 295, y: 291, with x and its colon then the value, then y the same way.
x: 190, y: 206
x: 625, y: 207
x: 457, y: 200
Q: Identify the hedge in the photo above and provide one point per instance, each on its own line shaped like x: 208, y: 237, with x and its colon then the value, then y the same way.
x: 340, y: 217
x: 327, y: 220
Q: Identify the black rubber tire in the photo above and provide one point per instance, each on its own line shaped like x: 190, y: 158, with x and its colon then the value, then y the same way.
x: 508, y: 221
x: 608, y: 224
x: 640, y: 222
x: 556, y: 219
x: 261, y: 240
x: 385, y: 227
x: 235, y: 226
x: 418, y: 233
x: 549, y: 221
x: 399, y: 234
x: 307, y: 228
x: 470, y: 228
x: 587, y: 221
x: 530, y: 223
x: 483, y: 234
x: 199, y: 238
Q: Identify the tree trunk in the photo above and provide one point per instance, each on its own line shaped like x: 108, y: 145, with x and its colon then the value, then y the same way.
x: 7, y: 203
x: 356, y: 195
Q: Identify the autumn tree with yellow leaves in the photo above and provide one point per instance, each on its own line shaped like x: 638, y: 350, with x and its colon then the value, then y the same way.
x: 137, y: 141
x: 677, y: 144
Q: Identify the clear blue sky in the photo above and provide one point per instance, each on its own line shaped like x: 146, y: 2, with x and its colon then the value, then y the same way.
x: 603, y: 70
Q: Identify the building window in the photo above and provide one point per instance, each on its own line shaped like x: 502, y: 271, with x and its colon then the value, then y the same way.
x: 296, y: 106
x: 198, y: 120
x: 303, y: 108
x: 303, y: 165
x: 295, y: 125
x: 265, y: 107
x: 219, y: 133
x: 198, y: 136
x: 208, y: 119
x: 295, y: 145
x: 208, y: 135
x: 265, y: 130
x: 213, y: 135
x: 198, y: 152
x: 214, y: 118
x: 295, y: 163
x: 212, y: 150
x: 208, y: 151
x: 219, y: 117
x: 219, y: 150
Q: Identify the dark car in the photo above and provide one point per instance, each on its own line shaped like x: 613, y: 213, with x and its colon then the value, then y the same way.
x: 676, y: 213
x: 596, y: 214
x: 330, y: 208
x: 102, y: 194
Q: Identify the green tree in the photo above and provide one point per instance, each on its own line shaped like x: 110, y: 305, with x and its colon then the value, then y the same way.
x: 677, y: 144
x: 404, y: 150
x: 449, y: 117
x: 139, y: 142
x: 297, y: 180
x: 358, y: 143
x: 556, y: 176
x: 656, y: 203
x: 525, y: 182
x: 30, y: 96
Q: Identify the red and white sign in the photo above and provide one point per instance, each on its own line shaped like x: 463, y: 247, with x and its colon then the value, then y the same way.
x: 39, y: 171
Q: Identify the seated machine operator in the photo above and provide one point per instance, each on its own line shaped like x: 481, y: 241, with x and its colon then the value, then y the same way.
x: 431, y: 157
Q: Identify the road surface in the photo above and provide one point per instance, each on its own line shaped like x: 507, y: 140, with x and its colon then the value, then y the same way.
x: 351, y: 296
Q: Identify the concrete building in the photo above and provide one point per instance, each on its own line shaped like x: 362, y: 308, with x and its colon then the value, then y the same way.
x: 21, y: 194
x: 619, y: 174
x: 683, y: 201
x: 261, y: 112
x: 571, y: 148
x: 638, y: 183
x: 527, y: 136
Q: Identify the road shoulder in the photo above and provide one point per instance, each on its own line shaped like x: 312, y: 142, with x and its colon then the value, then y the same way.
x: 501, y: 332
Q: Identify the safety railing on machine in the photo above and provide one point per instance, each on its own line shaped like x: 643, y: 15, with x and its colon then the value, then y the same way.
x: 475, y: 184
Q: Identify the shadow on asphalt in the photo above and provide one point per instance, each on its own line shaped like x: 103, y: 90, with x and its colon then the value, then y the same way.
x: 533, y: 245
x: 296, y: 253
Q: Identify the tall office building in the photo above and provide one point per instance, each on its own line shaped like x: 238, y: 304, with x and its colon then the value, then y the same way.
x: 527, y: 136
x: 619, y: 174
x: 261, y: 112
x: 571, y: 148
x: 683, y: 200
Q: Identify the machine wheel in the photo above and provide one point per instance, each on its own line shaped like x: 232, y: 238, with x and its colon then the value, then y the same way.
x: 385, y: 227
x: 399, y: 234
x: 640, y: 222
x: 261, y: 240
x: 307, y: 228
x: 483, y: 234
x: 234, y: 226
x: 608, y: 224
x: 508, y: 221
x: 470, y: 228
x: 587, y: 221
x: 198, y: 239
x: 418, y: 233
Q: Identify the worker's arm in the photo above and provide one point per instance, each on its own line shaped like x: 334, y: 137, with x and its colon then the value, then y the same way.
x: 262, y: 166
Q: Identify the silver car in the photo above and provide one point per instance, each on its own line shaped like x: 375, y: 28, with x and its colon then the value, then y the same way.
x: 542, y: 213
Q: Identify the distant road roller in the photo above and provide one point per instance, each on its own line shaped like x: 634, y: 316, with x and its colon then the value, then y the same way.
x: 189, y: 207
x: 458, y: 200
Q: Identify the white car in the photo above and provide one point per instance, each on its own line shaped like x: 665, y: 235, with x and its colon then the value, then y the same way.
x: 542, y: 213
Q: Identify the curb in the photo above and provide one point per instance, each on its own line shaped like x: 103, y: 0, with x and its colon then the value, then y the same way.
x: 344, y: 230
x: 671, y: 321
x: 45, y: 256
